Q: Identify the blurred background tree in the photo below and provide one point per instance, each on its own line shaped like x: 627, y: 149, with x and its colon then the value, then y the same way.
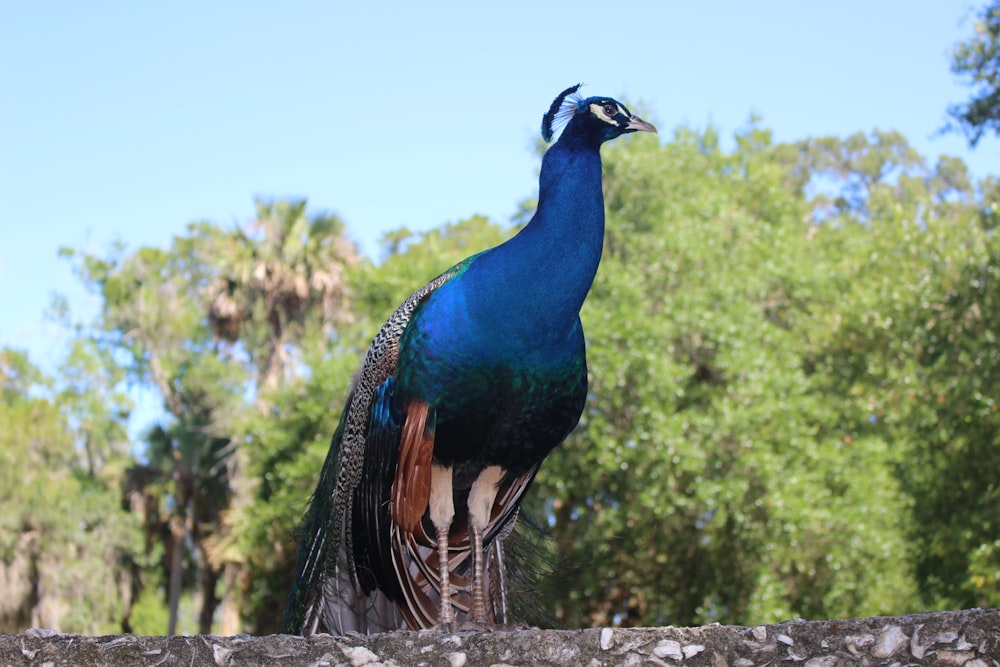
x: 69, y: 552
x: 978, y: 61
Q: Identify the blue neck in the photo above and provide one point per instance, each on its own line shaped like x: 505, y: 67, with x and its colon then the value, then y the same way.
x: 534, y: 284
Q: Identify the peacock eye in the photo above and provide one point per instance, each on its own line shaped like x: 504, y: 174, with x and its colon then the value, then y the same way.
x: 610, y: 109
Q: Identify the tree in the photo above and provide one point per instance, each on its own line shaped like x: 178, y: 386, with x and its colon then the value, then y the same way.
x: 211, y: 322
x: 915, y: 355
x: 748, y: 451
x: 286, y: 270
x: 152, y: 324
x: 978, y: 60
x: 791, y: 412
x: 708, y: 472
x: 273, y: 285
x: 67, y: 549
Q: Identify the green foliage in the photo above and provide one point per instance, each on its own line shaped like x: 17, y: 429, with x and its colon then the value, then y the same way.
x: 955, y: 437
x: 747, y: 453
x: 978, y: 60
x: 288, y: 445
x: 912, y: 347
x: 792, y: 351
x: 65, y: 544
x: 210, y: 323
x: 153, y: 327
x: 709, y: 472
x: 97, y: 407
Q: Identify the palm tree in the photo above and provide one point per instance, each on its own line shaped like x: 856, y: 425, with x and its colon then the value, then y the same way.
x: 208, y: 322
x: 273, y: 282
x: 286, y: 270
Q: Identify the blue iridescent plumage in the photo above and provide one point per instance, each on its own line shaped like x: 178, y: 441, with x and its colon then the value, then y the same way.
x: 465, y: 390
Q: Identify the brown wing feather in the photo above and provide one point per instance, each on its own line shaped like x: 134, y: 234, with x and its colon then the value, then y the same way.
x: 411, y: 487
x: 416, y: 562
x: 327, y: 587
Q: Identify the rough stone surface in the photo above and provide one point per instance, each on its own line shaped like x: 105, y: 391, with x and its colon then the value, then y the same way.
x: 961, y: 638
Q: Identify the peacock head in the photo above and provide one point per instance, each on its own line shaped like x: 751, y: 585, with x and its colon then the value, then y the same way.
x: 594, y: 119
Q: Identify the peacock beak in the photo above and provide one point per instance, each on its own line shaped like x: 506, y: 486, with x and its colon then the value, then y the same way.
x: 636, y: 124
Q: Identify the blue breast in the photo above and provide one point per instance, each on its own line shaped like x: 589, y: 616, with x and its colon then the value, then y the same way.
x: 517, y: 304
x: 498, y: 350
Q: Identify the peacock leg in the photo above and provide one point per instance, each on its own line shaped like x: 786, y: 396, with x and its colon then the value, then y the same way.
x: 442, y: 507
x: 481, y: 497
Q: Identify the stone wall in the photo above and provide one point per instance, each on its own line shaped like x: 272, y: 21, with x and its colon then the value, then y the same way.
x: 959, y: 639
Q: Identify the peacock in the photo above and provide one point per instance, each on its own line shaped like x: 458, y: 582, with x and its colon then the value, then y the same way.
x: 464, y: 391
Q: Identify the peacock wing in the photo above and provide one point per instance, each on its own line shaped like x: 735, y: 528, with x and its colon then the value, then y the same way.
x: 332, y: 592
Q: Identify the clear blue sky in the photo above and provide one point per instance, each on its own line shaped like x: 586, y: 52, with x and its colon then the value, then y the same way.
x: 125, y: 121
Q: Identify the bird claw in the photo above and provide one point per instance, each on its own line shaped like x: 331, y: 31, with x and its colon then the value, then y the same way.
x: 480, y: 626
x: 489, y: 626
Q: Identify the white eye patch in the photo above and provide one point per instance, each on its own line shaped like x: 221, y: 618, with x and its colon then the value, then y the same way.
x: 598, y: 110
